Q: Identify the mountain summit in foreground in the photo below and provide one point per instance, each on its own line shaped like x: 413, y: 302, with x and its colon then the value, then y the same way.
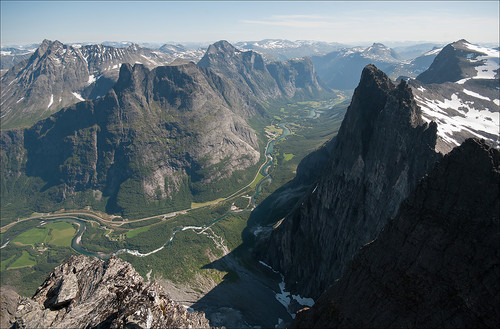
x: 91, y: 293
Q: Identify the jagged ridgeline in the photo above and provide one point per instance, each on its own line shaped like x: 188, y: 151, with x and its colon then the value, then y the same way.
x: 158, y: 140
x: 381, y: 151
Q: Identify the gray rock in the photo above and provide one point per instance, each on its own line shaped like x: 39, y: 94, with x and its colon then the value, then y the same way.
x: 93, y: 293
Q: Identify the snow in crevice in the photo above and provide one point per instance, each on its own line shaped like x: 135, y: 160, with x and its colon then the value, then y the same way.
x: 51, y: 100
x: 285, y: 297
x: 476, y: 95
x: 91, y: 79
x: 77, y: 95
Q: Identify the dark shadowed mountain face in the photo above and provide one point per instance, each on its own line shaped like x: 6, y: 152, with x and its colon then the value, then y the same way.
x: 87, y: 292
x: 460, y: 92
x: 434, y: 265
x: 58, y: 75
x: 383, y: 148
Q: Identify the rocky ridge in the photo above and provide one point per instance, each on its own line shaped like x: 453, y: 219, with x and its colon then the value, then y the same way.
x: 382, y: 150
x: 58, y: 75
x: 258, y: 81
x: 87, y: 292
x: 435, y: 264
x: 148, y: 133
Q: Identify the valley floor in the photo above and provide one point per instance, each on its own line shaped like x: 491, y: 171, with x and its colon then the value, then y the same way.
x: 196, y: 253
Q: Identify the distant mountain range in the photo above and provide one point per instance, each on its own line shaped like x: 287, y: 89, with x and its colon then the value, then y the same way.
x: 341, y: 69
x: 58, y: 75
x: 159, y: 139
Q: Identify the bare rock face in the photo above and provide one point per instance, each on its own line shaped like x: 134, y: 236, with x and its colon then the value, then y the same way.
x: 8, y: 306
x: 382, y: 150
x: 436, y: 265
x: 87, y: 292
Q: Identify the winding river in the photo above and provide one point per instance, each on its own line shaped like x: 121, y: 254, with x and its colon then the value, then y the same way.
x: 82, y: 225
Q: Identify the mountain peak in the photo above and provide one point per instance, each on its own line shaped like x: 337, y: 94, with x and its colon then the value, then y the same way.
x: 458, y: 61
x: 130, y: 76
x: 221, y: 46
x: 372, y: 76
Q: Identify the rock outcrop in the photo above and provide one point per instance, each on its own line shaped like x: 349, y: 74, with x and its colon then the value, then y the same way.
x: 382, y: 150
x: 87, y: 292
x: 436, y: 265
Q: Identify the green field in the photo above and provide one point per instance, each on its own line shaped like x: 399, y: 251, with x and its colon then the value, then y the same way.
x: 5, y: 263
x: 34, y: 236
x: 25, y: 260
x: 288, y: 156
x: 61, y: 233
x: 256, y: 180
x: 57, y: 234
x: 132, y: 233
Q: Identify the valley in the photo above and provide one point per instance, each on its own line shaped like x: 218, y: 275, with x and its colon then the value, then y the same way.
x: 198, y: 235
x: 251, y: 184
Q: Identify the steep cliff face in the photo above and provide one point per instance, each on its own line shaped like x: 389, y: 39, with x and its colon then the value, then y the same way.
x: 259, y: 82
x: 436, y: 264
x: 383, y: 148
x: 91, y: 293
x: 153, y: 130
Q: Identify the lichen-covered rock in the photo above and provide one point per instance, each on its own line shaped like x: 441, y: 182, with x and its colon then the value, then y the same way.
x: 436, y: 265
x: 87, y: 292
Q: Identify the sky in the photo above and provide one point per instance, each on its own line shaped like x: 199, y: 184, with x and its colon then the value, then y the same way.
x: 349, y: 22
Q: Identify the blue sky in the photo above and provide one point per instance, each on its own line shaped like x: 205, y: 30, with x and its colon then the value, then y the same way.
x: 351, y: 22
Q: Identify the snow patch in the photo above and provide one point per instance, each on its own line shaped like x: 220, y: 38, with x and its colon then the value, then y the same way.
x: 468, y: 119
x: 473, y: 94
x: 285, y: 297
x: 433, y: 52
x: 422, y: 89
x: 487, y: 51
x: 20, y: 99
x: 91, y: 79
x: 77, y: 95
x: 51, y: 100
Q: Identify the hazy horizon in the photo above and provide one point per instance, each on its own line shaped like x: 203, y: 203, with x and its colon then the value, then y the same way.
x: 351, y: 23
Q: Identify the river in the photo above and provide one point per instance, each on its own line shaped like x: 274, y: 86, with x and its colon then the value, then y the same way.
x: 76, y: 241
